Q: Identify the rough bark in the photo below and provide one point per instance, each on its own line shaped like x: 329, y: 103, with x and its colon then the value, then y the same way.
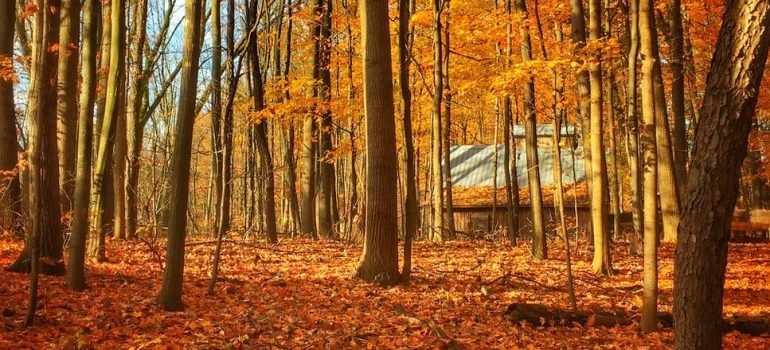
x: 721, y: 141
x: 411, y: 214
x: 379, y: 262
x: 446, y: 134
x: 326, y: 166
x: 677, y: 93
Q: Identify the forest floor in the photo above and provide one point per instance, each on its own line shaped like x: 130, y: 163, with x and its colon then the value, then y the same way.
x: 300, y: 295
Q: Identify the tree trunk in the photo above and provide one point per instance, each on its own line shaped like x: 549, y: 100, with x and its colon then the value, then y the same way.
x: 539, y: 249
x: 598, y: 185
x: 667, y: 180
x: 509, y: 155
x: 632, y: 125
x: 649, y: 153
x: 326, y: 163
x: 445, y: 137
x: 411, y: 214
x: 10, y: 203
x: 677, y: 93
x: 134, y: 118
x: 45, y: 238
x: 67, y: 95
x: 379, y: 262
x: 170, y: 296
x: 437, y: 231
x: 578, y: 23
x: 721, y: 141
x: 76, y: 279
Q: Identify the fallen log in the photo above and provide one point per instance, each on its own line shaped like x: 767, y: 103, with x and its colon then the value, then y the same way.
x: 541, y: 315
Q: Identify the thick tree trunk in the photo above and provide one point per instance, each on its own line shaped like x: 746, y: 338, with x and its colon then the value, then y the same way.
x: 379, y: 262
x: 649, y: 153
x: 76, y: 279
x: 170, y: 296
x: 45, y: 238
x: 721, y: 141
x: 10, y: 202
x: 67, y: 95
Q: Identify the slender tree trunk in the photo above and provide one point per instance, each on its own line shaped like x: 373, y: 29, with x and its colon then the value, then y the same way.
x: 649, y: 154
x: 445, y: 138
x: 509, y: 155
x: 613, y: 166
x: 539, y: 249
x: 437, y: 231
x: 170, y: 296
x: 10, y: 201
x: 667, y: 180
x: 578, y: 23
x: 635, y: 161
x: 326, y: 165
x: 677, y: 93
x: 411, y: 215
x: 67, y: 100
x: 134, y: 118
x: 720, y: 146
x: 379, y: 262
x: 76, y: 279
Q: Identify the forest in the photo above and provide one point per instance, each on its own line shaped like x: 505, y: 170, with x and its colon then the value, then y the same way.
x: 384, y: 174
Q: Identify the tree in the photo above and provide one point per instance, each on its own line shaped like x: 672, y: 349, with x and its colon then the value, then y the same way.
x: 266, y: 158
x: 326, y: 193
x: 677, y: 93
x: 509, y: 153
x: 720, y: 146
x: 67, y: 99
x: 437, y: 231
x: 10, y: 202
x: 379, y: 262
x: 170, y: 296
x: 44, y: 238
x: 601, y: 262
x: 632, y: 124
x: 539, y: 248
x: 411, y: 211
x: 578, y: 23
x: 447, y: 130
x: 649, y: 156
x: 76, y: 261
x: 134, y: 118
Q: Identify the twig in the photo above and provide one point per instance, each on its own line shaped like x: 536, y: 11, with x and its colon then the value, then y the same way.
x: 229, y: 241
x: 154, y: 252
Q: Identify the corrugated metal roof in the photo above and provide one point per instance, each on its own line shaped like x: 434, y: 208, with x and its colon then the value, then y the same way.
x: 544, y: 130
x: 472, y: 166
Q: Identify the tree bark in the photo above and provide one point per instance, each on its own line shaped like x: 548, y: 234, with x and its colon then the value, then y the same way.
x: 10, y: 203
x: 170, y: 296
x: 649, y: 152
x: 677, y: 94
x: 437, y: 231
x: 539, y: 248
x: 67, y: 95
x: 379, y: 262
x: 45, y: 238
x: 721, y: 141
x: 632, y: 125
x: 326, y: 162
x: 76, y: 279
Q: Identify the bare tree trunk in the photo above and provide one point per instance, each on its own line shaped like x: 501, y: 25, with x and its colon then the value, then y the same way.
x: 76, y: 279
x: 67, y: 95
x: 720, y: 147
x: 45, y: 238
x: 437, y: 231
x: 578, y: 23
x: 635, y: 161
x: 411, y: 215
x: 650, y: 293
x: 135, y: 124
x: 539, y: 249
x: 379, y: 262
x: 326, y: 165
x: 170, y: 295
x: 445, y: 138
x: 677, y: 94
x: 10, y: 202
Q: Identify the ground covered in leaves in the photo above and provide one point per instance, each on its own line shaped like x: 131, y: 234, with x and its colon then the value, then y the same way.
x: 300, y: 295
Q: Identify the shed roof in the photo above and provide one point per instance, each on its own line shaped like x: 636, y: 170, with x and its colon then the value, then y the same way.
x: 473, y: 166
